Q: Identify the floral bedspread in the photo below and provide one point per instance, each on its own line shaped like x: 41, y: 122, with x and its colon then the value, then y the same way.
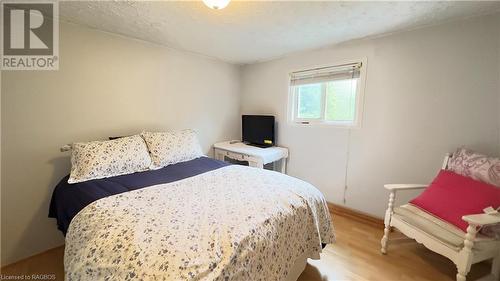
x: 233, y: 223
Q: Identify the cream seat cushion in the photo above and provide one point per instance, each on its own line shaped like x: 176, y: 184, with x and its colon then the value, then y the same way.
x: 441, y: 230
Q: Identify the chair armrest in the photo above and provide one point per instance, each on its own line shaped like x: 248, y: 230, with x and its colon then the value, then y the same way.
x: 394, y: 187
x: 481, y: 219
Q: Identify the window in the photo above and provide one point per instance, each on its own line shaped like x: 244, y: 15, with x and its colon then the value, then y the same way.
x: 327, y: 95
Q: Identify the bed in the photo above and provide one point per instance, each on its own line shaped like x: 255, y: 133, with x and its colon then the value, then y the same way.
x: 196, y: 220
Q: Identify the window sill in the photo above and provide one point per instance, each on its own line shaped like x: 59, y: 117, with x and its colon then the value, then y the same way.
x: 316, y: 124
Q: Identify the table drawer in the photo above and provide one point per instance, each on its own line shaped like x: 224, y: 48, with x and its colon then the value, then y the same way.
x: 236, y: 156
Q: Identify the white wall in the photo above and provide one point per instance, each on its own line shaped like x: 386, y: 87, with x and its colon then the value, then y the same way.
x: 499, y: 91
x: 428, y: 91
x: 106, y: 86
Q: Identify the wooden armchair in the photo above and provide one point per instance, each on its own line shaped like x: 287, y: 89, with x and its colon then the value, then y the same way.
x: 463, y: 248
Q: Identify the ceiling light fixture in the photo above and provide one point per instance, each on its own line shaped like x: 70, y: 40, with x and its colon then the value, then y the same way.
x: 216, y: 4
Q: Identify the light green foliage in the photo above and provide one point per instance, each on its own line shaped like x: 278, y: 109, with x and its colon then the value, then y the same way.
x: 340, y: 100
x: 309, y: 101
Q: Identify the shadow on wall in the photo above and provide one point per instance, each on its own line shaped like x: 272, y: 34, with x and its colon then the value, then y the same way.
x: 61, y: 167
x: 40, y: 222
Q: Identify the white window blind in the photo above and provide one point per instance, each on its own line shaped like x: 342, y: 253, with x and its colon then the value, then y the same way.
x: 325, y: 74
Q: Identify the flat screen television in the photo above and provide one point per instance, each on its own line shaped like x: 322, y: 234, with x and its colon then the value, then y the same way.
x: 258, y: 130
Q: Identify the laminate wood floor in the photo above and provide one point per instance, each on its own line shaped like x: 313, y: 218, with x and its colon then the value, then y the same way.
x: 355, y: 256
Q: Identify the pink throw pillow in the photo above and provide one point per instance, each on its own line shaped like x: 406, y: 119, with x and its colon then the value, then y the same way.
x: 451, y: 196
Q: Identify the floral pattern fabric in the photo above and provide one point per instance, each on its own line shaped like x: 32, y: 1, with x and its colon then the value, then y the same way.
x: 233, y: 223
x: 103, y: 159
x: 168, y: 148
x: 477, y: 166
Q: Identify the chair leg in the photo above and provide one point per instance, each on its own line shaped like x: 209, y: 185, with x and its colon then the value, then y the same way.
x: 385, y: 239
x: 465, y: 261
x: 495, y: 267
x: 462, y: 271
x: 462, y: 274
x: 387, y: 222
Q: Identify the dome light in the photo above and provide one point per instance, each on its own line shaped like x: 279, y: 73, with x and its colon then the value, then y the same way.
x: 216, y: 4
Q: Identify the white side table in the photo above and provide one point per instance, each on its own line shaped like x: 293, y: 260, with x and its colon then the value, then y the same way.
x: 255, y: 156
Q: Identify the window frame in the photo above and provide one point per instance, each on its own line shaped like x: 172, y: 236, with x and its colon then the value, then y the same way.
x: 293, y: 96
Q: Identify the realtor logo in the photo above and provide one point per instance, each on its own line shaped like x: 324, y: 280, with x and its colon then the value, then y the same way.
x: 30, y: 35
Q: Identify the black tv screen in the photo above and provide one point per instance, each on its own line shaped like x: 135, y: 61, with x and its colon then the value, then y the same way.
x: 258, y: 130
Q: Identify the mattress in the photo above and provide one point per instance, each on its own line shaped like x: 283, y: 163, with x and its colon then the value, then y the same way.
x: 227, y: 222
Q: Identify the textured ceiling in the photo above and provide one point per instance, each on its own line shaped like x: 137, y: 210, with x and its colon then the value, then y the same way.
x: 251, y: 31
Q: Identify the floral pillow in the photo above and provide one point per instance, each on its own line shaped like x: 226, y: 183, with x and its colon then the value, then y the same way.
x: 104, y: 159
x: 477, y: 166
x: 168, y: 148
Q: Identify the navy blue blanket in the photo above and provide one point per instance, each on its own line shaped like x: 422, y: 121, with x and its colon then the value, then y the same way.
x: 69, y: 199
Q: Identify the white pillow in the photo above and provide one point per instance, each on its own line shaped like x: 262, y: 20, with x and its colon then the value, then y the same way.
x: 104, y: 159
x: 168, y: 148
